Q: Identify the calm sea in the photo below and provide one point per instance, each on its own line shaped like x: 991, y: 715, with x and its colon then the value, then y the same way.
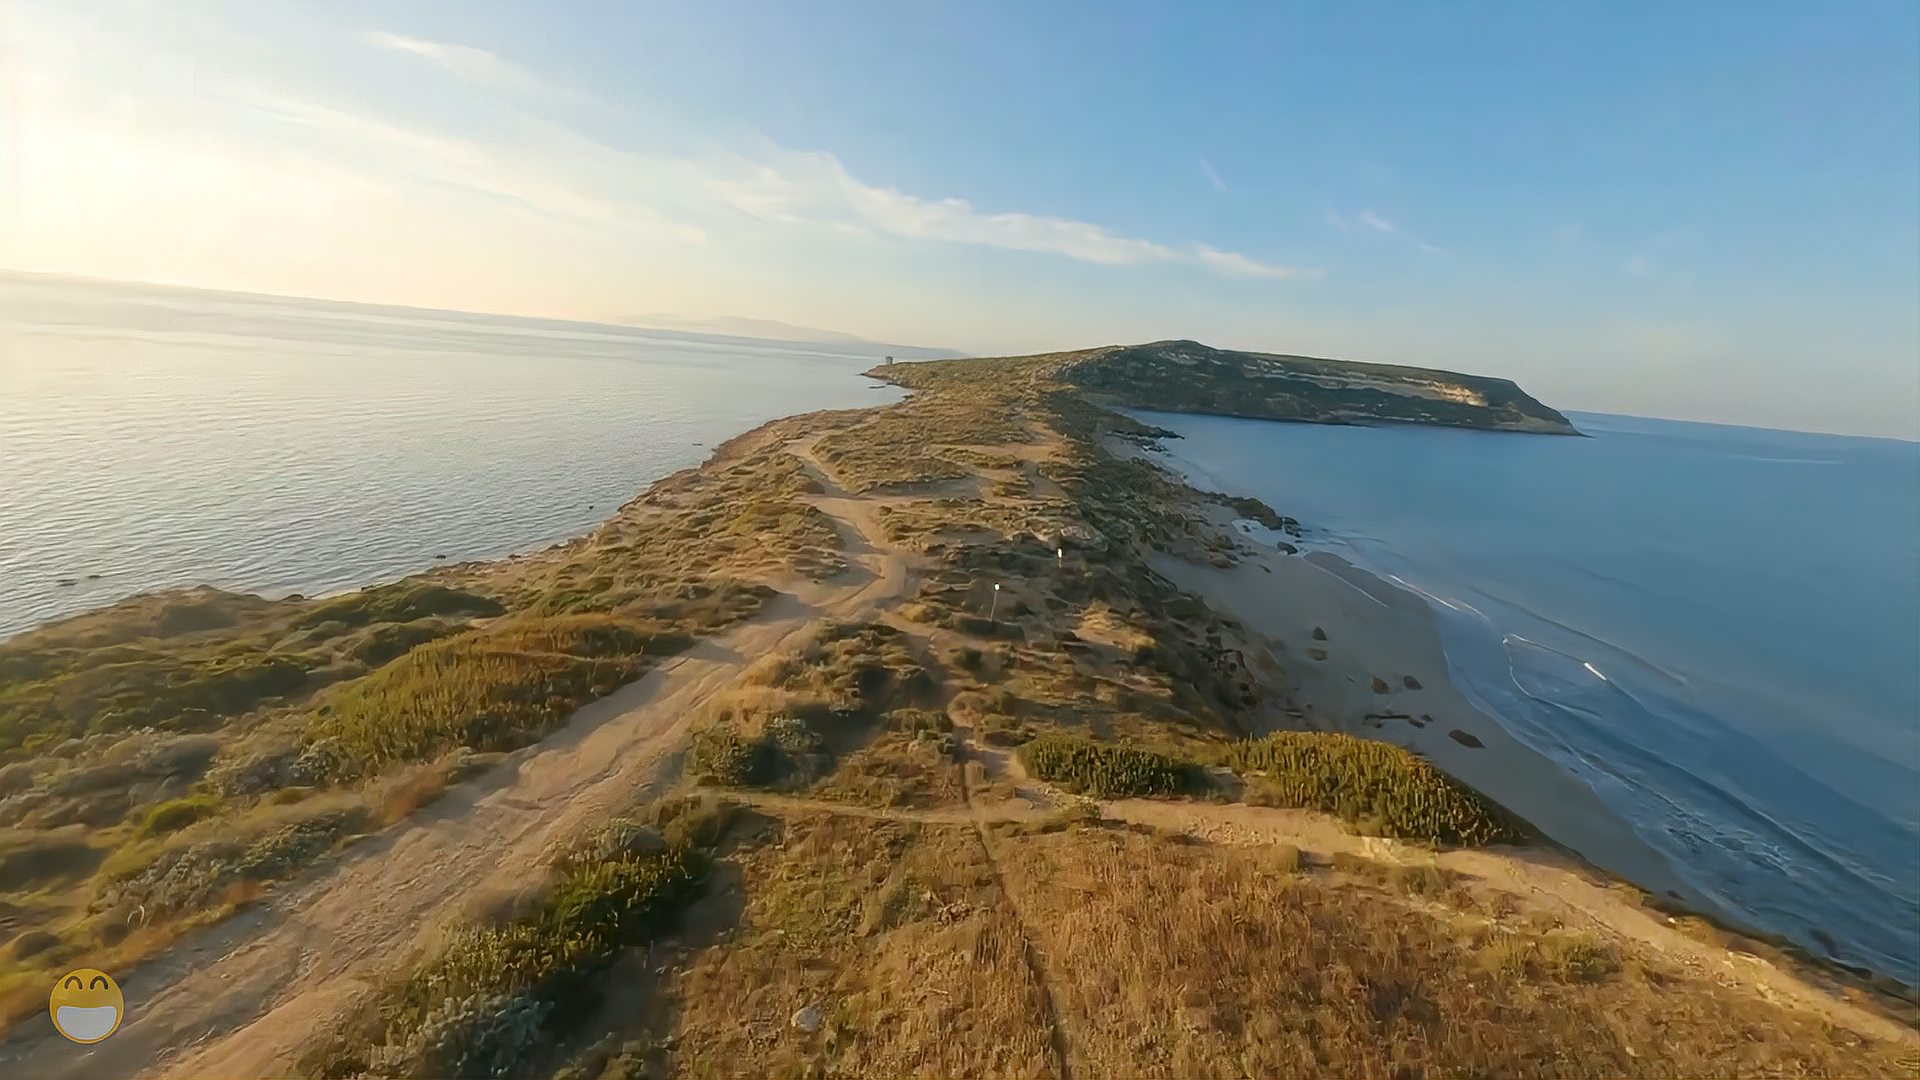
x: 153, y: 437
x: 1717, y: 628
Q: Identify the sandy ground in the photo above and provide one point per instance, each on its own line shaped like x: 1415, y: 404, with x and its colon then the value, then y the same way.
x: 1375, y: 630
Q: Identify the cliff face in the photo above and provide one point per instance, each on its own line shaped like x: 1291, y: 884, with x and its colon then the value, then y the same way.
x: 1186, y: 376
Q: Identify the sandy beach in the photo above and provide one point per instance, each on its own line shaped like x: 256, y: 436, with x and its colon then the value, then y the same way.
x: 1381, y: 655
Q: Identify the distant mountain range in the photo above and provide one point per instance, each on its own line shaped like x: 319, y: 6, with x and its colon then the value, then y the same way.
x: 773, y: 329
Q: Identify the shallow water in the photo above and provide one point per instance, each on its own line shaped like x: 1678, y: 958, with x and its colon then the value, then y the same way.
x: 1714, y: 627
x: 165, y: 438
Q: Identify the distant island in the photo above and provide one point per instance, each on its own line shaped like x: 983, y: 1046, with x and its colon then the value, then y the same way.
x: 950, y: 736
x: 1186, y: 376
x: 775, y: 330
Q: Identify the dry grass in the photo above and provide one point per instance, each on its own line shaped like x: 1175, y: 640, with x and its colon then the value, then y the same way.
x: 491, y: 995
x: 912, y: 762
x: 1107, y: 952
x: 921, y: 442
x: 816, y: 715
x: 1193, y: 960
x: 897, y: 933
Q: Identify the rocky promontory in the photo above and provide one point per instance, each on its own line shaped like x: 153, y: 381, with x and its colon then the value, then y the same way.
x: 1186, y: 376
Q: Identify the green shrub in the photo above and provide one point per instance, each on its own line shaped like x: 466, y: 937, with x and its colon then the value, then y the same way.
x: 1376, y: 785
x: 127, y: 687
x: 196, y: 877
x: 492, y: 689
x: 176, y: 814
x: 384, y: 641
x: 721, y: 755
x: 1106, y: 770
x: 402, y: 601
x: 494, y: 993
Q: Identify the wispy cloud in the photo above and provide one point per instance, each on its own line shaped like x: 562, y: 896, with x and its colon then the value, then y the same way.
x: 470, y: 63
x: 1386, y: 226
x: 1228, y: 262
x: 782, y: 186
x: 531, y: 182
x: 816, y: 187
x: 1377, y: 223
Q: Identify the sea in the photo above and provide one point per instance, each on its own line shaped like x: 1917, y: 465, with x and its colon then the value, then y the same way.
x: 1716, y: 628
x: 154, y: 438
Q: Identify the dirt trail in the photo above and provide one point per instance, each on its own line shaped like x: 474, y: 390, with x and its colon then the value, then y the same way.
x: 240, y: 998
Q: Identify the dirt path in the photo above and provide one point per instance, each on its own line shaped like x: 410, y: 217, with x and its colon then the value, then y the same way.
x: 240, y: 998
x: 1038, y: 968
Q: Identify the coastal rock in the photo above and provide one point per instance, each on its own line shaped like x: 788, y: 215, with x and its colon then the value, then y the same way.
x: 1380, y: 685
x: 1319, y: 634
x: 1410, y: 682
x: 1286, y: 547
x: 1465, y: 738
x: 1186, y: 376
x: 806, y: 1019
x: 1069, y: 535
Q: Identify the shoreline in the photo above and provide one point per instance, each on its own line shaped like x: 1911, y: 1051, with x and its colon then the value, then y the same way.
x: 1295, y: 589
x: 1377, y: 630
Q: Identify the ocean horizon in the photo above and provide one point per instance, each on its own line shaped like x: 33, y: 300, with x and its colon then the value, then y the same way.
x: 155, y: 438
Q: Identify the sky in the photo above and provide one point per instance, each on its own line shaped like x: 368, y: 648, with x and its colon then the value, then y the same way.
x: 1702, y: 211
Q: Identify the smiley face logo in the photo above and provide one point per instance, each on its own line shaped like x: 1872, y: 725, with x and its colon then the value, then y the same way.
x: 86, y: 1005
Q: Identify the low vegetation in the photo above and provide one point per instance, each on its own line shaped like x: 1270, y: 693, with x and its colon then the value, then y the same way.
x: 924, y: 949
x: 1106, y: 770
x: 70, y: 693
x: 490, y: 996
x: 177, y: 726
x: 1376, y: 786
x: 794, y: 715
x: 399, y: 602
x: 494, y: 688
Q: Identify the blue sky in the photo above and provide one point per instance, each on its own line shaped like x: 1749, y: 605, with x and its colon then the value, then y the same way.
x: 1703, y: 211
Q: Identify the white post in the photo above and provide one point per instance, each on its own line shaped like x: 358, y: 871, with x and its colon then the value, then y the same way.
x: 993, y: 610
